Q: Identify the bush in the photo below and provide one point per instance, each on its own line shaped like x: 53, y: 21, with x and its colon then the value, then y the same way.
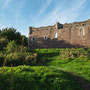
x: 31, y: 60
x: 17, y: 58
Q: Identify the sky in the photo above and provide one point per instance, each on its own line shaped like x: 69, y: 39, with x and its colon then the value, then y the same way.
x: 20, y: 14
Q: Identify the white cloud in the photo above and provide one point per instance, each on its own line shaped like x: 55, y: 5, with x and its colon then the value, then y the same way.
x: 7, y: 2
x: 18, y: 14
x: 45, y: 6
x: 42, y: 10
x: 62, y: 13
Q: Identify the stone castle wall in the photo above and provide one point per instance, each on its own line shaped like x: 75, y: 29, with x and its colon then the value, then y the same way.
x: 72, y: 35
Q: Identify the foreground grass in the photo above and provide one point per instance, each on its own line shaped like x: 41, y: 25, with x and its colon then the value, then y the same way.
x: 36, y: 78
x: 55, y: 69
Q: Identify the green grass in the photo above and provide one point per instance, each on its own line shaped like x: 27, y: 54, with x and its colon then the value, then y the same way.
x: 55, y: 69
x: 36, y: 78
x: 78, y: 65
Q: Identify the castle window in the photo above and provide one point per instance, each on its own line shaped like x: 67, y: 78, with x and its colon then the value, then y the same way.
x: 82, y: 32
x: 56, y: 35
x: 45, y: 38
x: 33, y: 39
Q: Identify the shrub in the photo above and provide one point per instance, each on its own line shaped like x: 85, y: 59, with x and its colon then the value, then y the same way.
x: 31, y: 59
x: 14, y: 58
x: 17, y: 58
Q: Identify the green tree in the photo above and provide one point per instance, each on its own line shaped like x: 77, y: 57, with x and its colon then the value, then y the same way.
x: 11, y: 34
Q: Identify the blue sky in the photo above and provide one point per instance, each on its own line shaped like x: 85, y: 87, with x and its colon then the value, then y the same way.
x: 21, y: 14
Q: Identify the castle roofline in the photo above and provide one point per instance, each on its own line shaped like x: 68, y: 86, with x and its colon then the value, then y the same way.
x: 63, y: 24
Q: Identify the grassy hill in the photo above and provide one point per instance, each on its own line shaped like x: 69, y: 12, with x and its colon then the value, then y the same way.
x: 55, y: 69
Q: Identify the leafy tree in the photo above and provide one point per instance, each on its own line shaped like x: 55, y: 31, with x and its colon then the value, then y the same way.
x: 11, y: 34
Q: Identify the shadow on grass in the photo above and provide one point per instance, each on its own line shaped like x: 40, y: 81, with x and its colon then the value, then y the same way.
x: 84, y: 84
x: 44, y: 58
x: 51, y: 81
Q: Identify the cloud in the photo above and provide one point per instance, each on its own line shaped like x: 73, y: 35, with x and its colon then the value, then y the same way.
x: 7, y: 2
x: 69, y: 14
x: 62, y: 13
x: 19, y: 8
x: 42, y: 10
x: 45, y: 6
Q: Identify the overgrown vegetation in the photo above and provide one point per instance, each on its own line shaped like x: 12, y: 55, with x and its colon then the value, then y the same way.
x: 13, y: 49
x: 42, y: 69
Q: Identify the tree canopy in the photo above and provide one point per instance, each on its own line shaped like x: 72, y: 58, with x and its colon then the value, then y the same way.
x: 11, y: 34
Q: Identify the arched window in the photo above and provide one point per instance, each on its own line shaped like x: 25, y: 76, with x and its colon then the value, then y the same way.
x: 82, y: 32
x: 56, y: 35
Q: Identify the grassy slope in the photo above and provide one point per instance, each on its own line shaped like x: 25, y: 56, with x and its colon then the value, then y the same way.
x: 54, y: 71
x: 36, y: 78
x: 78, y: 65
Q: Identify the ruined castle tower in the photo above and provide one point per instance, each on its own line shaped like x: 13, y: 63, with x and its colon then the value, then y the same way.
x: 68, y: 35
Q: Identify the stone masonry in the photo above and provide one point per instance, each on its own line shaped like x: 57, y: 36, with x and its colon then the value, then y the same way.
x: 68, y: 35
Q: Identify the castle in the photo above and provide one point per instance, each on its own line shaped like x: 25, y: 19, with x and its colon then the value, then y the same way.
x: 68, y: 35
